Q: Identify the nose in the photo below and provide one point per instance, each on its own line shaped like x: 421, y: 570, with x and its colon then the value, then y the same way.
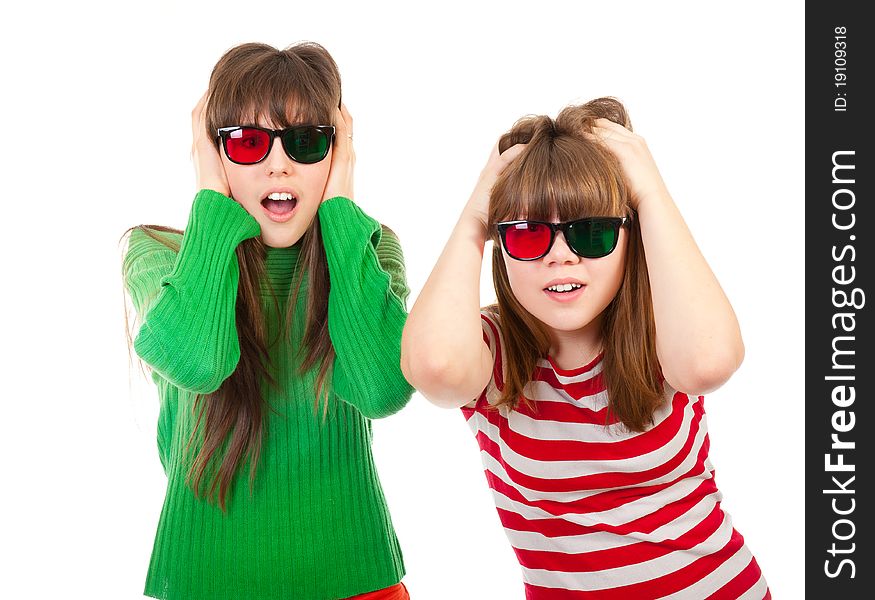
x: 277, y: 162
x: 560, y: 253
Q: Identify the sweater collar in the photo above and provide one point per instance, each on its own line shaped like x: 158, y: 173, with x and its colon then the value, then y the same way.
x: 279, y: 264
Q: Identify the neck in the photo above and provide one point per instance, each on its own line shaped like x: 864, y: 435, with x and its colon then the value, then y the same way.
x: 572, y: 349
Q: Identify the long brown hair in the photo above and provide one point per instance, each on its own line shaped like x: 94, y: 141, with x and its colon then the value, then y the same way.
x: 563, y: 172
x: 300, y: 84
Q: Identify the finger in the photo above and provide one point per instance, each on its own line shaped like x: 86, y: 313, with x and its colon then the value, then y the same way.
x: 343, y: 120
x: 608, y: 130
x: 347, y: 118
x: 198, y: 116
x: 612, y: 136
x: 200, y: 103
x: 343, y: 132
x: 511, y: 153
x: 493, y: 154
x: 199, y: 109
x: 602, y: 134
x: 608, y: 124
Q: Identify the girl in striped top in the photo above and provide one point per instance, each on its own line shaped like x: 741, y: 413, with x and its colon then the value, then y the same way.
x: 583, y: 384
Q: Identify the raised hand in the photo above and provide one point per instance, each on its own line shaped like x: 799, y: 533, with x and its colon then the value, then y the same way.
x: 638, y: 166
x: 478, y: 203
x: 208, y: 168
x: 698, y: 339
x: 340, y: 176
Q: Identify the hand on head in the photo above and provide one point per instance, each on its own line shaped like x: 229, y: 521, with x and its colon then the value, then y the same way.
x: 340, y: 176
x: 631, y: 150
x: 209, y: 172
x: 478, y: 204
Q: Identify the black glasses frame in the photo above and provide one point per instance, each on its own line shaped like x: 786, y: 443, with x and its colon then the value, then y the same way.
x: 616, y: 222
x: 224, y: 132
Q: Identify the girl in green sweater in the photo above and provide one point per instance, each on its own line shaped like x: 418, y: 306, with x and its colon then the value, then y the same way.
x: 271, y: 327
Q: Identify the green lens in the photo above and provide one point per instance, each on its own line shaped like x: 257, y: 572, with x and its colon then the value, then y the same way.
x: 592, y: 238
x: 306, y: 144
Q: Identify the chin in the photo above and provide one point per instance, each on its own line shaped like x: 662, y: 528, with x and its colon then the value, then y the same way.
x: 559, y: 324
x: 566, y: 320
x: 279, y: 242
x: 280, y: 235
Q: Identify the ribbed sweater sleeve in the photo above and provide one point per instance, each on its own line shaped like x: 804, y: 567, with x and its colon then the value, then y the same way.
x: 188, y: 331
x: 366, y: 311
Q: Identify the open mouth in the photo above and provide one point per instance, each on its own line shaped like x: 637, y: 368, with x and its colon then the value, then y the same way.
x: 280, y: 204
x: 565, y: 292
x: 280, y: 207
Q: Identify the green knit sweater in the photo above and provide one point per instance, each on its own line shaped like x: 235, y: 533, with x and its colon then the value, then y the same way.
x: 315, y: 523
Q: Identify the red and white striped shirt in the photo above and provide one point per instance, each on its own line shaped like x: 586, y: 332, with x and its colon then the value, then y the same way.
x: 595, y: 511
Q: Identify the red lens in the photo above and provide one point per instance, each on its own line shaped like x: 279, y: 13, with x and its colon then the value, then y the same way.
x: 527, y: 240
x: 247, y: 145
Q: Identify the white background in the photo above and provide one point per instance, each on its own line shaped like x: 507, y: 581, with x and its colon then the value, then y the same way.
x: 96, y: 138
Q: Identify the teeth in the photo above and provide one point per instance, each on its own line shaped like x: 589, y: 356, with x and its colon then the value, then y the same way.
x: 280, y: 196
x: 564, y: 287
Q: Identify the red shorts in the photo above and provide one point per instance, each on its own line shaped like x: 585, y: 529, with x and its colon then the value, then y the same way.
x: 395, y: 592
